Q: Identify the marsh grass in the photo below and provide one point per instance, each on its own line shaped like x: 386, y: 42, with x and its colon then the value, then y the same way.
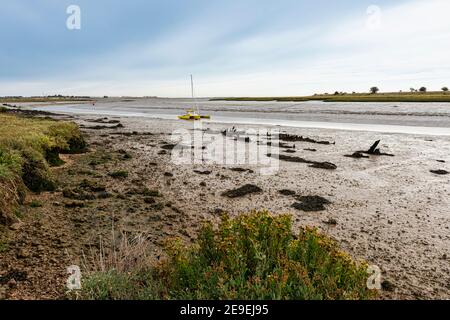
x: 356, y: 97
x: 25, y: 144
x: 253, y: 256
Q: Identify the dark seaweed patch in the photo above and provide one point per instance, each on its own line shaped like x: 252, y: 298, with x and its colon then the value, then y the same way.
x: 242, y: 191
x: 311, y: 203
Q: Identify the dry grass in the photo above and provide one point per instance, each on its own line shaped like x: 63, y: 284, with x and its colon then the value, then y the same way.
x: 126, y: 254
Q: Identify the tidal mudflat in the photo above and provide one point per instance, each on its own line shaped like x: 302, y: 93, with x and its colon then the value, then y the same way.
x: 389, y: 207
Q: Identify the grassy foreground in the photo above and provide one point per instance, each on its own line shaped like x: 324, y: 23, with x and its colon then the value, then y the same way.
x: 28, y: 146
x: 356, y: 97
x: 253, y: 256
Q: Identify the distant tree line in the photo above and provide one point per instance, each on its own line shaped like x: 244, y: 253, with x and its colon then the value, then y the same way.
x: 375, y: 90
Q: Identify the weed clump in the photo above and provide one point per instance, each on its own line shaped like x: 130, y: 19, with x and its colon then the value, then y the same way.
x: 253, y: 256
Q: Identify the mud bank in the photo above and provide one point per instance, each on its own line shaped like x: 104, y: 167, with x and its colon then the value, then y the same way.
x: 391, y: 211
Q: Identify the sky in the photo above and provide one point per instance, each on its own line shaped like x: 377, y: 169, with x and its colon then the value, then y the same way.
x: 232, y: 47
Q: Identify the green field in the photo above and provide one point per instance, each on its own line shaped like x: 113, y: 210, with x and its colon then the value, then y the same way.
x: 355, y: 97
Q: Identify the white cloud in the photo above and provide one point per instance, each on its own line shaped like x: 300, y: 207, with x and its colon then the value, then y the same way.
x: 409, y: 49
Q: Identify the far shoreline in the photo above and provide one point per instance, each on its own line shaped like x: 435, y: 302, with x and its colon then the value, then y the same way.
x: 352, y: 97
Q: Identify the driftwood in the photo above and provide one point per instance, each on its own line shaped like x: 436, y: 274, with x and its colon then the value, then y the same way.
x: 373, y: 148
x: 374, y: 151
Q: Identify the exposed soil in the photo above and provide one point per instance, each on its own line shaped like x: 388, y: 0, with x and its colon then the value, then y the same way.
x: 389, y: 211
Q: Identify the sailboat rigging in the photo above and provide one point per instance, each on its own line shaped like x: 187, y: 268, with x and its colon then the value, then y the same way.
x: 193, y: 114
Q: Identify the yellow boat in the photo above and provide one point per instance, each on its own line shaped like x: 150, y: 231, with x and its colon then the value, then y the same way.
x: 191, y: 114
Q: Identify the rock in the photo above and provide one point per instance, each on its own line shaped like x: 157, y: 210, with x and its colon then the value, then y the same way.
x: 168, y: 174
x: 203, y: 184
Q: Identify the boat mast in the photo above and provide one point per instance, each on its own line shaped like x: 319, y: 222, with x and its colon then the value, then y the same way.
x: 192, y: 86
x: 193, y: 96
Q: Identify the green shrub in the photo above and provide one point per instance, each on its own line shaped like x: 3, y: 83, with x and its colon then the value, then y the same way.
x: 253, y: 256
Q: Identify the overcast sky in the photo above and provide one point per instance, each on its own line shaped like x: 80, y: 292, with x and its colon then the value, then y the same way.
x: 233, y: 47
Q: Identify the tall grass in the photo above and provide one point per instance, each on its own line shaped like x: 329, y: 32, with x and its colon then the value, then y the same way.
x: 253, y: 256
